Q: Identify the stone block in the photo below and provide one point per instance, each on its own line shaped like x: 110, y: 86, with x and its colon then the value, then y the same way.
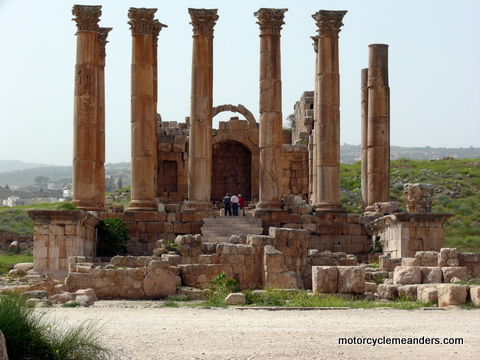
x: 324, y: 279
x: 410, y: 262
x: 235, y: 299
x: 371, y: 287
x: 475, y: 295
x: 351, y: 279
x: 408, y: 292
x: 405, y: 275
x: 451, y: 294
x: 431, y: 275
x: 450, y: 272
x: 159, y: 282
x: 387, y: 291
x: 427, y: 293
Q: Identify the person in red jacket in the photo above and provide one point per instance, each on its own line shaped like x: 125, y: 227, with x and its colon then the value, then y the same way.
x: 241, y: 203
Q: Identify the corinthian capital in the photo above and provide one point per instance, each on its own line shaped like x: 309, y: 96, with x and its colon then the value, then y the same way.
x: 87, y: 17
x: 329, y: 22
x: 203, y: 20
x: 141, y: 20
x: 270, y: 20
x: 102, y: 39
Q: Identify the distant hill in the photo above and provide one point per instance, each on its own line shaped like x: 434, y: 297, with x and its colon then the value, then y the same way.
x: 23, y: 174
x: 14, y: 165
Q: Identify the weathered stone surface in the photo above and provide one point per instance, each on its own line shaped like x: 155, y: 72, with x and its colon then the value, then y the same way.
x: 427, y: 293
x: 448, y: 257
x: 451, y: 272
x: 235, y: 299
x: 431, y: 275
x: 35, y: 294
x: 387, y: 291
x: 405, y: 275
x: 475, y: 295
x: 62, y: 298
x: 418, y: 198
x: 408, y: 292
x: 371, y: 287
x: 386, y: 207
x: 84, y: 300
x: 24, y: 267
x: 351, y: 279
x: 324, y: 279
x: 159, y: 282
x: 451, y: 294
x: 3, y: 347
x: 410, y: 262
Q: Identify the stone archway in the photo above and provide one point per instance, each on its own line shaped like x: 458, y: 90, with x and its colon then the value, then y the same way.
x: 237, y: 109
x: 231, y: 170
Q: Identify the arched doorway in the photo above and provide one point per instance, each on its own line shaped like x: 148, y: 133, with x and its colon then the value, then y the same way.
x: 231, y: 170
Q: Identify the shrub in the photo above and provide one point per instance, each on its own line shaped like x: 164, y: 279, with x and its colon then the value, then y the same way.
x: 29, y: 337
x: 220, y: 287
x: 113, y: 237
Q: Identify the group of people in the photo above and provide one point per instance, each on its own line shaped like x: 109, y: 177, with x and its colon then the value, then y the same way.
x: 234, y: 203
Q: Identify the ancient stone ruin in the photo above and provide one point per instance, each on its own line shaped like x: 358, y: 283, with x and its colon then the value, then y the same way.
x: 291, y: 184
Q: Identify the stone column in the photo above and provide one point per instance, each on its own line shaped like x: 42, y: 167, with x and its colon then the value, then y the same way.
x: 270, y: 140
x: 313, y: 167
x: 378, y: 141
x: 86, y: 103
x: 364, y: 116
x: 100, y: 144
x: 327, y: 127
x: 143, y: 109
x: 201, y: 105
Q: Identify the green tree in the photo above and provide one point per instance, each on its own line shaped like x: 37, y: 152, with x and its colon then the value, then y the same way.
x: 113, y: 237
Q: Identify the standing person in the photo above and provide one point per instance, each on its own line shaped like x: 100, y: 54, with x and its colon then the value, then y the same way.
x: 226, y: 203
x: 241, y: 203
x: 235, y: 205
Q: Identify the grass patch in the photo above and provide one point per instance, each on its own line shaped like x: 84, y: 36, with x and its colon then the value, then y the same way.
x: 7, y: 261
x: 29, y: 336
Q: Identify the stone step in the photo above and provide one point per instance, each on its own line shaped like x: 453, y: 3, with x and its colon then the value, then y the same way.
x: 220, y: 229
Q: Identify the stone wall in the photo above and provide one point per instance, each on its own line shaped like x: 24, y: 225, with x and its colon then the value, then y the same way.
x: 303, y: 111
x: 295, y: 170
x: 6, y: 238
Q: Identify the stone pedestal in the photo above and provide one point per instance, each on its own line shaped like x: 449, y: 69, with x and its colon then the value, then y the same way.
x: 60, y: 234
x: 327, y: 112
x: 378, y: 127
x: 201, y: 105
x: 143, y: 109
x: 270, y: 141
x: 86, y: 109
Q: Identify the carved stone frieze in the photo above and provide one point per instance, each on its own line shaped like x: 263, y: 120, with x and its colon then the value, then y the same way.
x: 203, y: 20
x: 329, y: 22
x: 141, y: 20
x: 270, y: 20
x: 87, y: 17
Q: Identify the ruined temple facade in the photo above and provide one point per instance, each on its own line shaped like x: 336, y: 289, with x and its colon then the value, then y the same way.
x: 182, y: 170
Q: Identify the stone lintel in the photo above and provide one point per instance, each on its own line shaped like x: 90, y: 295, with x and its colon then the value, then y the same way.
x: 402, y: 219
x: 63, y: 217
x: 203, y: 20
x: 327, y: 207
x: 329, y: 22
x: 87, y: 17
x: 270, y: 20
x: 142, y: 205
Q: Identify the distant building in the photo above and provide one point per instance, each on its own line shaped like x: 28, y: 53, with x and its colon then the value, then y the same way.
x: 16, y: 201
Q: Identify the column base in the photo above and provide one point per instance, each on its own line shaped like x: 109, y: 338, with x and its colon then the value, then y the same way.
x: 195, y: 205
x: 142, y: 205
x: 327, y: 207
x: 270, y: 206
x: 86, y: 205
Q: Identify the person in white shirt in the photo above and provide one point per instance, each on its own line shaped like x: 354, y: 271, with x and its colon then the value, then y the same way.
x: 234, y: 200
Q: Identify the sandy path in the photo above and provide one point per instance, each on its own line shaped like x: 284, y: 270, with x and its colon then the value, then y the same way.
x: 185, y: 333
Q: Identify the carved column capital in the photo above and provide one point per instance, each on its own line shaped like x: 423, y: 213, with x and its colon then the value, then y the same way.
x: 102, y: 39
x: 329, y: 22
x: 157, y: 27
x: 87, y: 17
x: 141, y: 20
x: 270, y: 20
x: 203, y: 20
x: 315, y: 42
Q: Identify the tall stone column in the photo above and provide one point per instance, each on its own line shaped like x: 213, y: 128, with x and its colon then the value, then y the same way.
x: 201, y: 105
x: 364, y: 116
x: 327, y: 126
x: 270, y: 141
x: 100, y: 144
x: 86, y: 103
x: 143, y: 109
x: 313, y: 166
x: 378, y: 166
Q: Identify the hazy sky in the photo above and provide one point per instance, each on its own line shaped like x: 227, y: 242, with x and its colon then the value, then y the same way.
x: 434, y: 68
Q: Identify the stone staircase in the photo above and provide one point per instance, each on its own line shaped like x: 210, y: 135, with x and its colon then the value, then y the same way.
x: 219, y: 229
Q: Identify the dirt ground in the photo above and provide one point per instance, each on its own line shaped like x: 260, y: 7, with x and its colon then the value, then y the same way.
x: 139, y: 331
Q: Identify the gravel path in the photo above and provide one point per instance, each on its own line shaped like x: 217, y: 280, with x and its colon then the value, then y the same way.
x: 137, y: 331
